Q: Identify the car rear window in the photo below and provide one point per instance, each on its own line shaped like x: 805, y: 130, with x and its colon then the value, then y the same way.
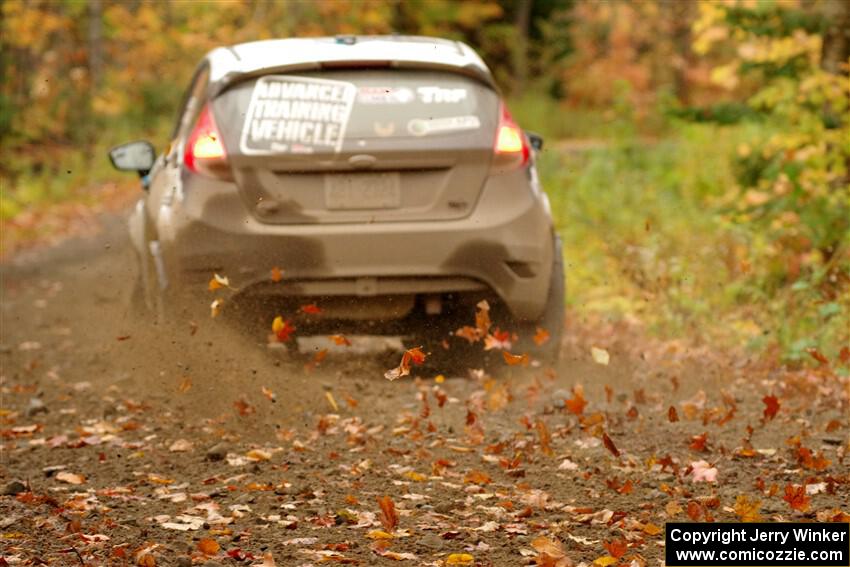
x: 323, y: 111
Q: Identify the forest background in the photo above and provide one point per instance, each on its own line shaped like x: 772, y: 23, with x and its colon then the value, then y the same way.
x: 697, y: 151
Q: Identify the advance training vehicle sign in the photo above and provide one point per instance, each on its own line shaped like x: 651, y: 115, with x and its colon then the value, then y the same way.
x: 289, y: 114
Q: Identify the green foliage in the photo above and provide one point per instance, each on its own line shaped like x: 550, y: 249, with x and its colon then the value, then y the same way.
x: 647, y: 237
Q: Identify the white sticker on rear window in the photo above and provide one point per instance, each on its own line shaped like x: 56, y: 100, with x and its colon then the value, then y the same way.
x: 422, y: 126
x: 297, y: 115
x: 430, y: 95
x: 385, y: 95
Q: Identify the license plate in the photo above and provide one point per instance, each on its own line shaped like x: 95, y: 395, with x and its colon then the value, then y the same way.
x: 363, y: 191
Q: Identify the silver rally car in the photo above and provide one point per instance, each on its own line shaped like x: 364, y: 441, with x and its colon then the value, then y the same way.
x: 383, y: 175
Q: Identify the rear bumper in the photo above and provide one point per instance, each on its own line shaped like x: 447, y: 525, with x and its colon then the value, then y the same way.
x: 504, y: 245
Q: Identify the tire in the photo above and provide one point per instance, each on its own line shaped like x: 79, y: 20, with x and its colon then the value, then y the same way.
x: 462, y: 356
x: 553, y: 318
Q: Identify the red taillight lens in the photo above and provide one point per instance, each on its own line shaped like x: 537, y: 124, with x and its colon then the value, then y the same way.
x: 512, y: 150
x: 204, y: 152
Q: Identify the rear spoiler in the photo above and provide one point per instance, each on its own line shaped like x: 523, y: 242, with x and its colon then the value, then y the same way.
x: 472, y: 71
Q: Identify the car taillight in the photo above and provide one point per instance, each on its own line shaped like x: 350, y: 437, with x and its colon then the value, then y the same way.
x: 511, y: 150
x: 204, y: 152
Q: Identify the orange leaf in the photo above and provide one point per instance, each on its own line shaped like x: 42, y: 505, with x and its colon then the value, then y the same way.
x: 482, y: 317
x: 277, y: 274
x: 746, y: 509
x: 515, y: 359
x: 185, y: 385
x: 550, y: 552
x: 243, y: 407
x: 672, y: 415
x: 311, y: 309
x: 771, y: 407
x: 577, y: 403
x: 699, y: 442
x: 545, y: 438
x: 340, y: 340
x: 410, y: 357
x: 268, y: 394
x: 695, y: 510
x: 541, y: 336
x: 477, y: 477
x: 208, y: 546
x: 796, y: 497
x: 610, y: 445
x: 616, y: 548
x: 282, y: 329
x: 389, y: 518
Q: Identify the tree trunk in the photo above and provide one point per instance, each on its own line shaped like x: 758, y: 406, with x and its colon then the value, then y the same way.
x: 836, y: 40
x: 520, y: 51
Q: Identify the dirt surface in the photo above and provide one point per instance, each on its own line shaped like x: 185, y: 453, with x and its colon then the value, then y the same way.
x: 173, y: 445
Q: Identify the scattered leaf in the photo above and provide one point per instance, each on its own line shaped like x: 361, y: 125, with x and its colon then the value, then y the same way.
x: 541, y: 337
x: 208, y: 546
x: 515, y: 359
x: 410, y: 357
x: 389, y: 518
x: 610, y: 445
x: 797, y: 498
x: 218, y: 282
x: 747, y: 509
x: 672, y: 414
x: 215, y: 307
x: 277, y: 274
x: 600, y: 356
x: 771, y: 404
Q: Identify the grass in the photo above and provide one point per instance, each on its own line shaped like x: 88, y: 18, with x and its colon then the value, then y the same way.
x: 645, y: 238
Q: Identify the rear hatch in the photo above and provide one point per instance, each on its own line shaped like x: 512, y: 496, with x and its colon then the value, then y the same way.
x: 359, y: 145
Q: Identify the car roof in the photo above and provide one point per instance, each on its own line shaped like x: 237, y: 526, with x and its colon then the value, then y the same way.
x: 228, y: 64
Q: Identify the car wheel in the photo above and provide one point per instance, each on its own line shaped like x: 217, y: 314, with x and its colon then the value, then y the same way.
x: 552, y: 320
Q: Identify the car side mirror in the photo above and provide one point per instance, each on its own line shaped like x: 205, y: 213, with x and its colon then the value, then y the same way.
x: 136, y: 156
x: 536, y: 140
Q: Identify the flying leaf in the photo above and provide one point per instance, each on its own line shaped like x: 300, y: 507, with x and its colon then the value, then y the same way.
x: 796, y: 497
x: 600, y: 356
x: 243, y: 408
x: 282, y: 329
x: 747, y: 509
x: 410, y: 357
x: 672, y: 414
x: 498, y: 340
x: 577, y: 403
x: 541, y: 337
x: 545, y: 438
x: 610, y: 445
x: 340, y: 340
x: 311, y: 309
x: 185, y: 385
x: 771, y: 406
x: 215, y: 307
x: 218, y: 282
x: 330, y: 398
x: 482, y: 317
x: 277, y: 274
x: 389, y: 518
x: 515, y: 359
x: 268, y: 394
